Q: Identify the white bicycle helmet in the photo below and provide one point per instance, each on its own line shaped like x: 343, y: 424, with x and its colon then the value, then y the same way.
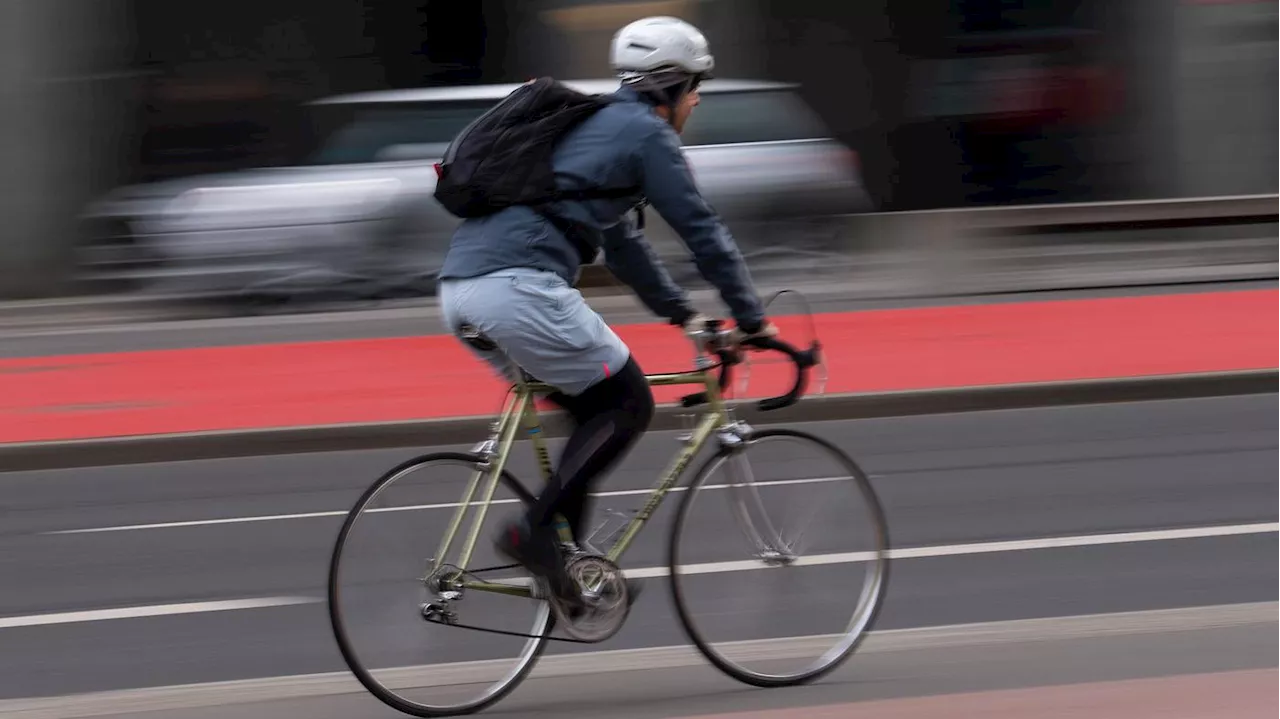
x: 660, y: 55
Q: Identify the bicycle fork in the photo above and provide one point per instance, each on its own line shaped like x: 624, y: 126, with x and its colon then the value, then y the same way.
x: 766, y: 542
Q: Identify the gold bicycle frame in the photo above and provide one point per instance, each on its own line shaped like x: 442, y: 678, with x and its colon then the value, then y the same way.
x: 523, y: 410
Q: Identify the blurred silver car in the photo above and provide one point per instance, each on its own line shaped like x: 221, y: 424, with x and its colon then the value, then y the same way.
x: 356, y: 218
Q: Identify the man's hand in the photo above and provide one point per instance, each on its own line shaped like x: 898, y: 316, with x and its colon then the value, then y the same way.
x: 693, y: 326
x: 697, y: 323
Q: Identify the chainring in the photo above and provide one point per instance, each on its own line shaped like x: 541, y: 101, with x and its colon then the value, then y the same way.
x: 603, y: 602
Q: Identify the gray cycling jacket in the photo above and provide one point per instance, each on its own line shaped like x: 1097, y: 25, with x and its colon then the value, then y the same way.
x: 623, y: 145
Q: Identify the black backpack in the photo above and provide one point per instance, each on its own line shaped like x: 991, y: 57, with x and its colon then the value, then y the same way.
x: 503, y: 158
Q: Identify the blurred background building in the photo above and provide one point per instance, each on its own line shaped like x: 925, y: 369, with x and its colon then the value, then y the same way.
x: 947, y: 104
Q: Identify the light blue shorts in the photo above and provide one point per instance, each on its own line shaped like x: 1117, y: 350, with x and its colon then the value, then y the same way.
x: 539, y: 323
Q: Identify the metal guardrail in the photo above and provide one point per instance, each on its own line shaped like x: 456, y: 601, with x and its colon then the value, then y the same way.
x: 1240, y: 209
x: 944, y: 241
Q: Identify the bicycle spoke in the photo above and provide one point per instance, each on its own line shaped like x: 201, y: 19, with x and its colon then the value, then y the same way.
x: 835, y: 609
x: 386, y: 612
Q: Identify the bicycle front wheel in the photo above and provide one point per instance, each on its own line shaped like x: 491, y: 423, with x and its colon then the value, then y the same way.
x: 404, y: 606
x: 769, y: 595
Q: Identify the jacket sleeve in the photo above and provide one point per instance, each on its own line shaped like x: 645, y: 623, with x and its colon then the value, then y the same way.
x: 630, y: 259
x: 670, y: 189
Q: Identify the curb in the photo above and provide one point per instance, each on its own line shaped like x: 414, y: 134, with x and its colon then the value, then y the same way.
x: 67, y: 454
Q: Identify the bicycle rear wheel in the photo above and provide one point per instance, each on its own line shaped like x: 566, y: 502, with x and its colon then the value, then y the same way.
x: 390, y: 603
x: 722, y: 598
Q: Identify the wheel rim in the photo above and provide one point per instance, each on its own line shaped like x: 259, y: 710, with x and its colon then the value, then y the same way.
x: 729, y: 656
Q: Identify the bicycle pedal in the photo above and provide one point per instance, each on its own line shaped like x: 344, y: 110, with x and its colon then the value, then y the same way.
x: 623, y: 518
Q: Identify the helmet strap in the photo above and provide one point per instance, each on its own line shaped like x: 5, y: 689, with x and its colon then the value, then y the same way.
x: 670, y: 96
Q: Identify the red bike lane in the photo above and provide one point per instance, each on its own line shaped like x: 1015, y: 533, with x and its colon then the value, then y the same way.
x: 314, y: 383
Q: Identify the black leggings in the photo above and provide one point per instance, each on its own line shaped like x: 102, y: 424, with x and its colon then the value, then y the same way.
x: 609, y: 417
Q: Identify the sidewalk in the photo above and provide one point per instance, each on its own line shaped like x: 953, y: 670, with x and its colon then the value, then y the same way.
x: 283, y: 385
x: 1241, y: 694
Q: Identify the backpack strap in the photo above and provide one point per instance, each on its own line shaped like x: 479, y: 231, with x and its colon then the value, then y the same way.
x: 576, y: 232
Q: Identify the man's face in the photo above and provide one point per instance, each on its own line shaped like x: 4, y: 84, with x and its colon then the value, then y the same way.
x: 684, y: 110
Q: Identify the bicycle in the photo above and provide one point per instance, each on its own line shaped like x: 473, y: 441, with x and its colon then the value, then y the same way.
x: 597, y: 571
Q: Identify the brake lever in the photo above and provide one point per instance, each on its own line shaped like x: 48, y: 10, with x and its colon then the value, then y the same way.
x: 744, y: 379
x: 820, y: 364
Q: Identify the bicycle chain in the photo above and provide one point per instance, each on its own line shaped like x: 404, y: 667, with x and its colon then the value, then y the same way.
x: 511, y: 634
x: 504, y: 632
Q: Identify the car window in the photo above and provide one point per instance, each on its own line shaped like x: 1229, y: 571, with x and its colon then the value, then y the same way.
x: 376, y: 133
x: 761, y: 116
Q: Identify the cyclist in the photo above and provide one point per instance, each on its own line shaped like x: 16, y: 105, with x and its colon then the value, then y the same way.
x: 506, y: 282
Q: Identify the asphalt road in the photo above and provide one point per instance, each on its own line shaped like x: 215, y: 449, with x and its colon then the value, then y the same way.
x: 422, y: 317
x: 1058, y: 481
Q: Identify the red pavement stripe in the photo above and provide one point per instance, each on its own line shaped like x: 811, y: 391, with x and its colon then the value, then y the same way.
x: 1248, y: 694
x: 276, y: 385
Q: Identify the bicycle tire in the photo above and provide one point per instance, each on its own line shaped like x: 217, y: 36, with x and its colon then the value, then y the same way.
x: 349, y: 655
x: 871, y: 611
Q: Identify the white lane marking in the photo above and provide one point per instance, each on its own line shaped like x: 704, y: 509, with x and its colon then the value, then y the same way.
x: 952, y: 550
x: 949, y: 550
x: 312, y: 686
x: 408, y: 508
x: 156, y: 610
x: 1088, y: 540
